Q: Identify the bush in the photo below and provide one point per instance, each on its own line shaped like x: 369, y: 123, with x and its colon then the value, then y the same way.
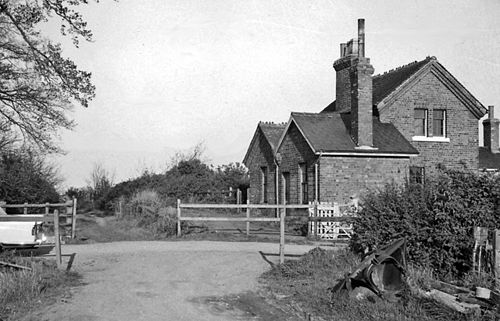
x: 151, y: 212
x: 437, y: 219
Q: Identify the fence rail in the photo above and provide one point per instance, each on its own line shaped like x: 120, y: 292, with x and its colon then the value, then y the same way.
x: 70, y: 213
x: 313, y: 207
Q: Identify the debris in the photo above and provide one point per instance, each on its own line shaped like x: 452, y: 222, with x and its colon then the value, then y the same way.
x: 482, y: 293
x: 381, y: 272
x: 451, y: 301
x: 12, y: 265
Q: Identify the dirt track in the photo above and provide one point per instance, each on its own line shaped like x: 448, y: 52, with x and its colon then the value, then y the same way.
x: 161, y: 280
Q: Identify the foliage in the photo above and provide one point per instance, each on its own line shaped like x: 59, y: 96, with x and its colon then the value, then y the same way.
x: 23, y: 289
x: 304, y: 285
x: 37, y: 84
x: 437, y: 219
x: 188, y: 178
x: 25, y: 176
x: 100, y: 183
x: 83, y: 195
x: 233, y: 175
x: 152, y: 213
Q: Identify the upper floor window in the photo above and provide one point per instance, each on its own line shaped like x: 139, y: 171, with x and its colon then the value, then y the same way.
x: 420, y: 122
x: 427, y: 129
x: 263, y: 189
x: 439, y: 122
x: 303, y: 186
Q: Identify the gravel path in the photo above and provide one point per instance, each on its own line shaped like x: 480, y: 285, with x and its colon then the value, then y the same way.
x: 160, y: 280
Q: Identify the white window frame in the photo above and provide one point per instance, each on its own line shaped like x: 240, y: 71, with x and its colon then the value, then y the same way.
x: 436, y: 139
x: 444, y: 122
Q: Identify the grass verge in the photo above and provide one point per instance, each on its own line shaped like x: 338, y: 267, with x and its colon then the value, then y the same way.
x: 22, y: 291
x: 303, y: 285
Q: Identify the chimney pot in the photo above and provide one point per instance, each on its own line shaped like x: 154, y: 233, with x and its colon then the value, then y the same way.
x: 361, y: 37
x: 491, y: 112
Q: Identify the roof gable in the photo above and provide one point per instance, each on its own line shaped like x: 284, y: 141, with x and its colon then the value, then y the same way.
x: 329, y: 133
x: 270, y: 131
x: 387, y: 87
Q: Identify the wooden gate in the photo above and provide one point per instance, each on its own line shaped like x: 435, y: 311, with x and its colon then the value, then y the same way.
x: 332, y: 230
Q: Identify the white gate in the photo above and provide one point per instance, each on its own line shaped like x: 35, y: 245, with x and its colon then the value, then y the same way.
x: 332, y: 230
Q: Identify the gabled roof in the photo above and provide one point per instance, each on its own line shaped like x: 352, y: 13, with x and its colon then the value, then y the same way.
x: 271, y: 132
x: 329, y: 133
x: 488, y: 160
x: 389, y: 85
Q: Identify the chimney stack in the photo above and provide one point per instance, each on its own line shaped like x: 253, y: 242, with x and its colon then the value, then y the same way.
x: 490, y: 131
x: 354, y: 88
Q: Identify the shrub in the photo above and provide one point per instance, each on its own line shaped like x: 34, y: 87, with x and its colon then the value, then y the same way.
x: 437, y: 219
x: 151, y: 211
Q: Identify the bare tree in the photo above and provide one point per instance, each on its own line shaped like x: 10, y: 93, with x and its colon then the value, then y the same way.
x: 37, y: 84
x: 100, y: 182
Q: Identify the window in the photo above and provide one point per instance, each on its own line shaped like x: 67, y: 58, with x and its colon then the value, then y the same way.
x: 263, y: 171
x: 439, y: 123
x: 417, y: 174
x: 430, y: 131
x: 303, y: 186
x: 286, y: 188
x: 420, y: 122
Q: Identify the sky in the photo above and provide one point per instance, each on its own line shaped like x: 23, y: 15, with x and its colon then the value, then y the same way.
x: 172, y: 74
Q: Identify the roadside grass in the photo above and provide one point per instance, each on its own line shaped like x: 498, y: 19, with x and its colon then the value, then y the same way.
x: 96, y: 227
x: 22, y: 291
x: 304, y: 285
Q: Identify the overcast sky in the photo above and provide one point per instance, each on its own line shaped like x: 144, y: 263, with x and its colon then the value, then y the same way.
x: 171, y: 74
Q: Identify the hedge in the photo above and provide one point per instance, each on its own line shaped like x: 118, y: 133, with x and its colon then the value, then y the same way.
x: 437, y: 218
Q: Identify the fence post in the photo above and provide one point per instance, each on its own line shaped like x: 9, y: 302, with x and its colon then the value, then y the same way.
x: 178, y: 217
x: 73, y: 222
x: 58, y: 239
x: 120, y: 208
x: 248, y: 217
x: 282, y: 236
x: 46, y: 208
x: 238, y: 199
x: 496, y: 255
x: 69, y: 212
x: 25, y: 208
x: 3, y: 208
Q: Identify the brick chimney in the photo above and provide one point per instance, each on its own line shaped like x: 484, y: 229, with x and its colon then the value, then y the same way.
x: 354, y: 88
x: 490, y: 131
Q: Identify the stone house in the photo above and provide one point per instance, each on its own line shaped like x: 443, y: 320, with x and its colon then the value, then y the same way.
x: 396, y: 126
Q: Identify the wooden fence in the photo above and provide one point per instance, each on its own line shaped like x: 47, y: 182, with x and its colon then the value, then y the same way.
x: 248, y: 219
x: 46, y: 217
x: 70, y: 215
x: 332, y: 230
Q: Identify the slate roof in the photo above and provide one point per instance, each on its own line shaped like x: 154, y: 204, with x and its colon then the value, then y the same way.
x: 272, y: 132
x: 386, y: 84
x: 488, y: 160
x: 329, y: 132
